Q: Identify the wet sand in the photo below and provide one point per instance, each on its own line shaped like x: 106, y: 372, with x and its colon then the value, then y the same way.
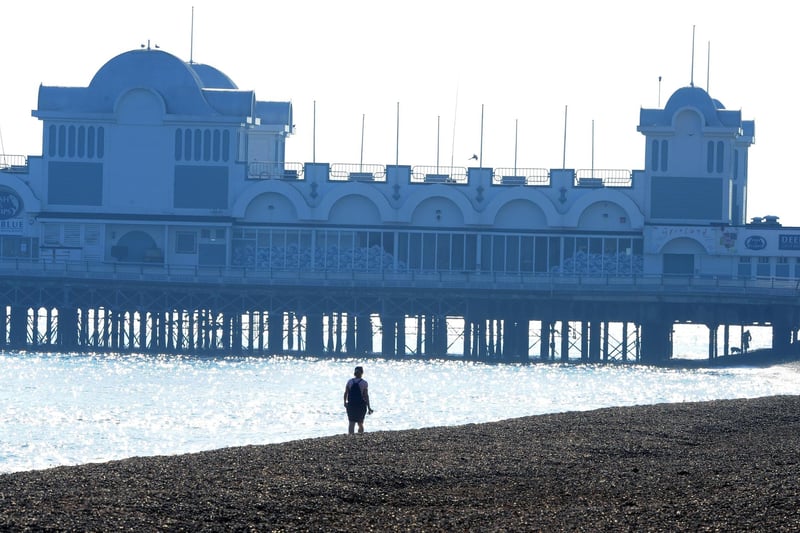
x: 728, y: 465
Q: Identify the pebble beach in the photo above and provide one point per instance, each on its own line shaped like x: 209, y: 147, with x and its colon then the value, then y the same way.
x: 726, y: 465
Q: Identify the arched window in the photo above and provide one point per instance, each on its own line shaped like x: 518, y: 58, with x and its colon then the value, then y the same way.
x: 198, y: 144
x: 178, y: 144
x: 71, y: 141
x: 720, y: 156
x: 52, y: 140
x: 206, y: 145
x: 216, y: 145
x: 81, y: 141
x: 187, y: 144
x: 226, y: 145
x: 710, y: 162
x: 90, y: 142
x: 101, y: 142
x: 654, y: 155
x: 62, y: 141
x: 664, y: 154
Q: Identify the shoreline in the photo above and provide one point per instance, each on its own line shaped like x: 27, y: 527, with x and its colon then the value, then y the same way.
x: 723, y: 464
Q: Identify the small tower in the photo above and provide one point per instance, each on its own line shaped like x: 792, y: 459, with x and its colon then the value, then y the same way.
x: 695, y: 161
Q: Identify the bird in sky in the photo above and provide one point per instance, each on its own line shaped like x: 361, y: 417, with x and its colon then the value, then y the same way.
x: 474, y: 156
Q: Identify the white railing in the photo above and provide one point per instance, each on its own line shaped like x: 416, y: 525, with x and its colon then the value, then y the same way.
x: 11, y: 162
x: 598, y: 177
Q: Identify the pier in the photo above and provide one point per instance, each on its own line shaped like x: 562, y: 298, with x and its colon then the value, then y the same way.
x: 153, y: 223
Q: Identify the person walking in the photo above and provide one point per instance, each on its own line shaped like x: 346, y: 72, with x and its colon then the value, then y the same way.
x: 356, y: 401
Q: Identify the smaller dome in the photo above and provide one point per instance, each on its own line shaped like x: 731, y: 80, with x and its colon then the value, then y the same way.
x: 211, y: 77
x: 697, y: 98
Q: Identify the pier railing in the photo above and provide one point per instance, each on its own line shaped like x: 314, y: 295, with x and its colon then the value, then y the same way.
x: 538, y: 282
x: 13, y: 163
x: 344, y: 172
x: 603, y: 178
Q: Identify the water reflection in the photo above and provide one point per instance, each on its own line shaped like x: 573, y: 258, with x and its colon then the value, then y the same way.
x: 60, y: 410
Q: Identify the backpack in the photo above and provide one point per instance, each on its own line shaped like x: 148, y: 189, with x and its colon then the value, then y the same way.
x: 354, y: 397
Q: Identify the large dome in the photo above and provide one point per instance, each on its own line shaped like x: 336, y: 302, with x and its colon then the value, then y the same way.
x: 177, y: 83
x: 183, y: 89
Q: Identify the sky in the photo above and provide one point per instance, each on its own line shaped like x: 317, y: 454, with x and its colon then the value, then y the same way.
x: 526, y: 84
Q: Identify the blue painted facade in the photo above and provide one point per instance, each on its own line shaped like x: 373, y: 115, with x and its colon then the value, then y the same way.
x: 166, y: 163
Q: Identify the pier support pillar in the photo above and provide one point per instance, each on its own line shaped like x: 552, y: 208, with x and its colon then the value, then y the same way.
x: 401, y: 336
x: 656, y: 341
x: 388, y: 335
x: 594, y: 340
x: 584, y: 341
x: 624, y: 341
x: 499, y: 340
x: 782, y: 333
x: 482, y: 341
x: 315, y: 344
x: 275, y: 334
x: 467, y: 334
x: 350, y: 342
x: 726, y: 340
x: 363, y: 335
x: 4, y: 322
x: 546, y: 327
x: 509, y: 344
x: 144, y: 322
x: 68, y: 328
x: 564, y: 340
x: 235, y: 333
x: 18, y: 325
x: 712, y: 341
x: 523, y: 339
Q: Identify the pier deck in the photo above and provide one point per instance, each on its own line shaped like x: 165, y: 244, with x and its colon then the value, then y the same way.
x: 148, y: 309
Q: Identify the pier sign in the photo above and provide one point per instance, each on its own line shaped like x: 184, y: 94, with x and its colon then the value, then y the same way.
x: 13, y: 226
x: 10, y: 204
x: 788, y: 242
x: 755, y: 242
x: 10, y: 212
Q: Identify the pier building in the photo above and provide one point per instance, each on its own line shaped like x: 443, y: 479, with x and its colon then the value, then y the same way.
x: 162, y: 216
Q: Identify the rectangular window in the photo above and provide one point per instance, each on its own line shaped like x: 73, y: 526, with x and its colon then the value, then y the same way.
x: 201, y: 187
x: 763, y: 268
x: 415, y: 251
x: 540, y: 255
x: 51, y: 234
x: 686, y: 198
x: 512, y: 253
x: 428, y: 251
x: 782, y: 268
x: 526, y: 254
x: 457, y: 257
x: 75, y: 183
x: 498, y: 253
x: 471, y: 252
x: 185, y: 242
x: 72, y: 235
x: 486, y: 252
x: 744, y: 270
x: 443, y: 251
x: 554, y: 253
x: 568, y: 264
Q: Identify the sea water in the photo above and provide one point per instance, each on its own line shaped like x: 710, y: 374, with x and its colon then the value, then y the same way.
x: 72, y: 409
